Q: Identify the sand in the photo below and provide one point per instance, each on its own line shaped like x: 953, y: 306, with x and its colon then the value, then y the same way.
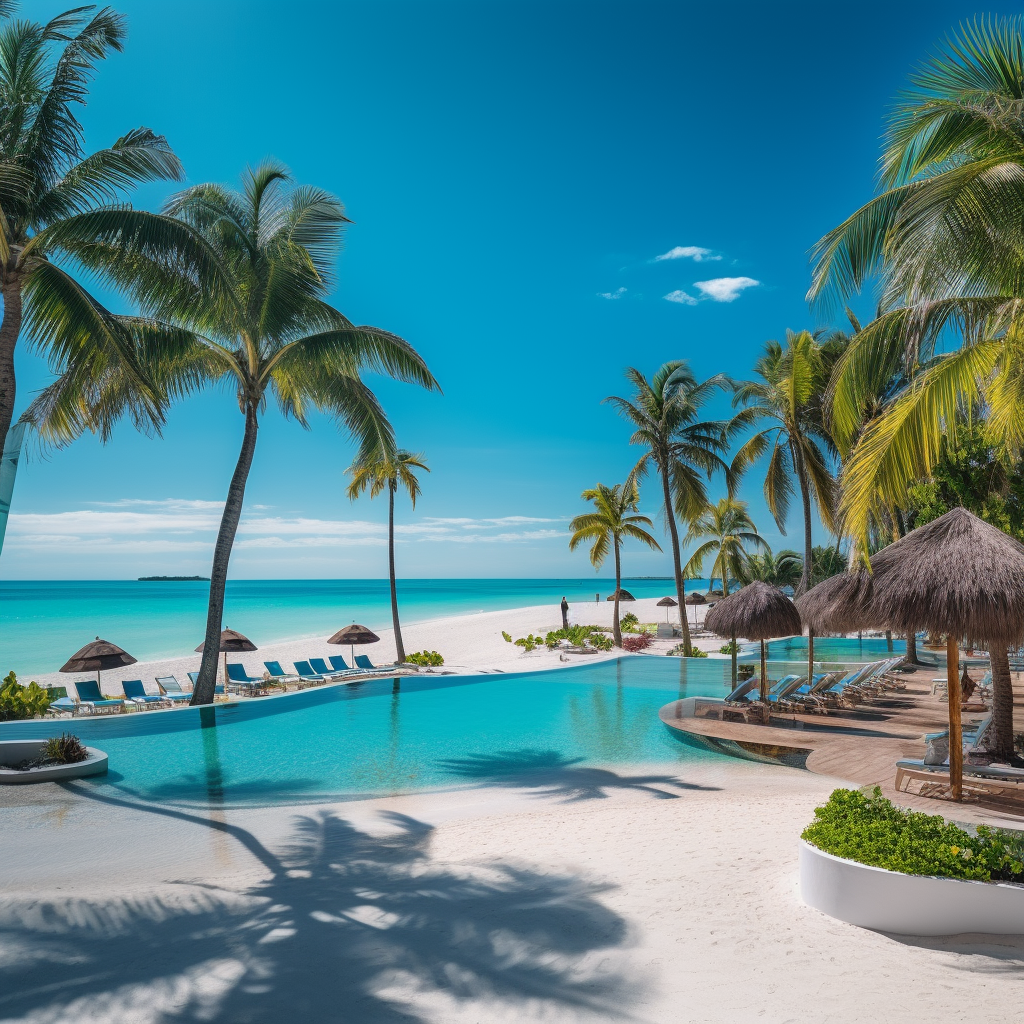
x: 660, y: 893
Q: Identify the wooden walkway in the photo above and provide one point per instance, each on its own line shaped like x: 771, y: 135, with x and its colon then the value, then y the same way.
x: 861, y: 745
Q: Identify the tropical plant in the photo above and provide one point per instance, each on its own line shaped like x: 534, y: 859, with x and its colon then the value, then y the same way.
x: 629, y: 622
x: 51, y: 192
x: 430, y: 659
x: 615, y: 517
x: 782, y: 569
x: 18, y: 702
x: 785, y: 407
x: 65, y: 749
x: 237, y: 296
x: 684, y: 451
x: 635, y: 644
x: 579, y: 636
x: 388, y: 468
x: 686, y: 651
x: 729, y: 530
x: 828, y: 562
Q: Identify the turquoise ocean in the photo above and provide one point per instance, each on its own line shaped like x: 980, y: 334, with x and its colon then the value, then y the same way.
x: 42, y: 623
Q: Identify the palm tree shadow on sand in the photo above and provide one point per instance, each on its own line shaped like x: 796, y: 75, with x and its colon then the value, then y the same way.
x: 550, y: 773
x: 348, y: 927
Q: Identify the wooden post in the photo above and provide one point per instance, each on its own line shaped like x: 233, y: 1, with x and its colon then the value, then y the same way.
x: 734, y: 661
x: 810, y: 656
x: 764, y: 676
x: 956, y: 745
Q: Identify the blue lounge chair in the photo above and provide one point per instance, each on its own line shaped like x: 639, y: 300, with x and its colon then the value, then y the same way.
x: 742, y: 689
x: 171, y: 689
x: 362, y: 661
x: 218, y: 689
x: 237, y: 674
x: 64, y: 705
x: 89, y: 695
x: 274, y: 668
x: 338, y: 663
x: 136, y: 693
x: 319, y: 665
x: 305, y: 672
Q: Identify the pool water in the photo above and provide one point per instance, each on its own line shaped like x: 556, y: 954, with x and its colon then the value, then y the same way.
x: 388, y: 736
x: 830, y: 650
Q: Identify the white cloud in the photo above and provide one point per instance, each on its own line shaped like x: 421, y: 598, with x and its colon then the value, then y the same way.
x: 724, y: 289
x: 617, y: 294
x: 684, y: 298
x: 688, y: 252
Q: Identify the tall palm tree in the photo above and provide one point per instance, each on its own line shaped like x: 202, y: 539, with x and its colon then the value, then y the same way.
x: 615, y: 517
x: 782, y: 569
x: 238, y: 298
x: 47, y: 183
x: 682, y: 449
x: 388, y: 469
x: 729, y: 530
x: 944, y: 239
x: 784, y: 405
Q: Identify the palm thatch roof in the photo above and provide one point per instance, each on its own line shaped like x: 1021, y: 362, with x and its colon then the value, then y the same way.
x: 98, y: 656
x: 354, y: 634
x: 232, y: 642
x: 957, y: 575
x: 668, y: 602
x: 695, y: 598
x: 757, y: 611
x: 624, y: 595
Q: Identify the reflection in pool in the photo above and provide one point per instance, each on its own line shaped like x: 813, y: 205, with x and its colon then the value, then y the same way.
x: 387, y: 735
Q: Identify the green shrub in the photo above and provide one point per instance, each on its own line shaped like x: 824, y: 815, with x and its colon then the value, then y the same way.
x: 64, y: 749
x: 428, y: 658
x: 872, y: 830
x: 682, y: 651
x: 530, y: 642
x: 629, y: 623
x: 17, y: 701
x: 728, y: 648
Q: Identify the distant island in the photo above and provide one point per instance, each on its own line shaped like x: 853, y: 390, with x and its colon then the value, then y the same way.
x: 174, y: 579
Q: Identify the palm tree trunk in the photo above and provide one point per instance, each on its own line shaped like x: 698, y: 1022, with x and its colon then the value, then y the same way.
x: 1002, y: 704
x: 805, y: 499
x: 725, y: 573
x: 207, y: 681
x: 10, y: 328
x: 399, y: 646
x: 676, y: 563
x: 616, y: 631
x: 912, y: 649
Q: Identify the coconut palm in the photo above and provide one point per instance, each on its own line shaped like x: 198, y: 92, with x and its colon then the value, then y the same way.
x: 238, y: 299
x: 615, y: 517
x: 46, y: 183
x: 785, y: 407
x: 782, y: 569
x: 682, y: 449
x: 388, y: 469
x: 729, y: 530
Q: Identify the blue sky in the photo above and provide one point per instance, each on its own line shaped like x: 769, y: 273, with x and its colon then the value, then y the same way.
x: 514, y: 171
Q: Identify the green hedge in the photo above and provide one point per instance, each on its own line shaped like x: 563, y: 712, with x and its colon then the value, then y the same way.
x: 873, y: 830
x: 17, y: 701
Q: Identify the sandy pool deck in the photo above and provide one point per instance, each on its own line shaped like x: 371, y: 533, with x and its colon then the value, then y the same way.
x: 649, y: 893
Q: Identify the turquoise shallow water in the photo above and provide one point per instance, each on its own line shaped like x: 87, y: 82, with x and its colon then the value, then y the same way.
x: 390, y: 736
x: 43, y: 623
x: 842, y: 650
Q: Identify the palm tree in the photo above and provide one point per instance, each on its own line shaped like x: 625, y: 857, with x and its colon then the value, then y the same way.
x: 389, y: 469
x: 683, y: 450
x: 782, y: 569
x: 614, y: 519
x: 944, y: 238
x: 788, y: 398
x: 237, y: 298
x: 729, y: 529
x: 48, y: 185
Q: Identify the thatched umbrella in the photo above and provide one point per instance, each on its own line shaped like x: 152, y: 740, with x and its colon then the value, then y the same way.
x: 231, y: 642
x: 666, y: 603
x: 955, y: 575
x: 98, y: 656
x: 624, y: 595
x: 353, y: 635
x: 694, y: 599
x: 757, y: 611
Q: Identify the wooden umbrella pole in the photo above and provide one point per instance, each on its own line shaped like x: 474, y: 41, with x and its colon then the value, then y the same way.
x: 956, y: 747
x: 734, y: 661
x: 810, y: 657
x: 764, y: 677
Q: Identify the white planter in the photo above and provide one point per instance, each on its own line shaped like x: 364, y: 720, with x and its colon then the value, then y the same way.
x: 888, y: 901
x: 13, y: 751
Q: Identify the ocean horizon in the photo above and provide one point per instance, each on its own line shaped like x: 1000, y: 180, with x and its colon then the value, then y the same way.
x: 43, y: 622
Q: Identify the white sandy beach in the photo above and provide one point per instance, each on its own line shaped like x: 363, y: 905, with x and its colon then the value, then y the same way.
x: 469, y: 643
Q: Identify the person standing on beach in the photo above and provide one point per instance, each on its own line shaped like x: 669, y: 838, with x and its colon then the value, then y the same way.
x: 565, y: 613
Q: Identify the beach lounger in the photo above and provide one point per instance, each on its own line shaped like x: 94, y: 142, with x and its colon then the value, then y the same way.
x: 64, y: 706
x: 237, y: 674
x: 305, y: 672
x: 276, y: 672
x: 338, y: 663
x: 171, y: 689
x: 742, y: 689
x: 89, y: 696
x: 319, y: 665
x: 218, y: 689
x: 136, y: 693
x: 363, y: 662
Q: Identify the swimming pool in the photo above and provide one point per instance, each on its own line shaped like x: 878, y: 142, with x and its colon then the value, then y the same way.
x: 386, y: 736
x: 828, y: 649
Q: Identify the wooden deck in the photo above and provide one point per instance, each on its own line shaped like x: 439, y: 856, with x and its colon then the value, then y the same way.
x: 861, y: 746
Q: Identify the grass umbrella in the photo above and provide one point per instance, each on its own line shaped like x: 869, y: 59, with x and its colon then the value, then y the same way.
x: 695, y: 599
x: 231, y: 642
x: 353, y: 635
x: 956, y: 575
x: 758, y: 611
x: 623, y: 595
x: 666, y: 603
x: 98, y: 656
